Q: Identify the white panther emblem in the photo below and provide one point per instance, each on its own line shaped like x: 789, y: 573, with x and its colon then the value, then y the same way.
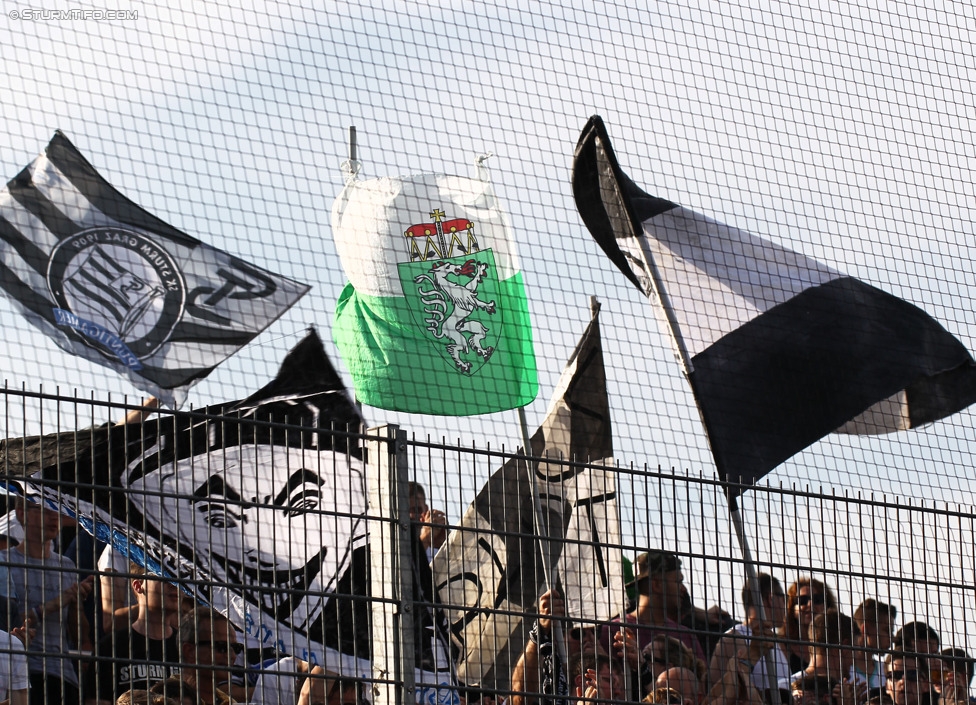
x: 448, y: 306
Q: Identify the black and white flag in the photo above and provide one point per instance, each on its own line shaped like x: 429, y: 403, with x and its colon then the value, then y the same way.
x: 781, y: 349
x: 490, y: 570
x: 255, y: 506
x: 112, y: 283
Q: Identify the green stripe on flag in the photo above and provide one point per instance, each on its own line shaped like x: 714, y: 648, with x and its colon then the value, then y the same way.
x: 390, y: 346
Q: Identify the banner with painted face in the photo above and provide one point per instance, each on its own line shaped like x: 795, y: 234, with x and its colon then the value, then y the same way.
x: 254, y: 506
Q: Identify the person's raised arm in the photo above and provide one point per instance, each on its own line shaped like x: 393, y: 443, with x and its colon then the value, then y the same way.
x: 724, y: 650
x: 526, y: 680
x: 735, y: 686
x: 141, y: 414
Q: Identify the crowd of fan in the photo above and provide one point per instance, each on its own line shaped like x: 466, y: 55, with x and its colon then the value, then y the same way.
x: 796, y: 648
x: 144, y: 643
x: 147, y: 643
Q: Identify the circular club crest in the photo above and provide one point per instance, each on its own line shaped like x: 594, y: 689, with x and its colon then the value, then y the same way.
x: 114, y: 286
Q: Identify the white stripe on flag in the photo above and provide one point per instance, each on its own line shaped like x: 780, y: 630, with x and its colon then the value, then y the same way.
x: 708, y: 267
x: 27, y: 274
x: 590, y: 552
x: 26, y: 222
x: 190, y: 355
x: 63, y: 194
x: 22, y: 220
x: 887, y: 415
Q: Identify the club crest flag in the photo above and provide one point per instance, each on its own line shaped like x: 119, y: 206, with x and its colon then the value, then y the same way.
x: 113, y: 284
x: 434, y: 319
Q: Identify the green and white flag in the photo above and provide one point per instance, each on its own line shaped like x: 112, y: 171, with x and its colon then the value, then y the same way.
x: 435, y: 318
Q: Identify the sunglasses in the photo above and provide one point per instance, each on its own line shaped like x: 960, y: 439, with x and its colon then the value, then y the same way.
x: 907, y: 675
x: 223, y: 647
x: 807, y: 599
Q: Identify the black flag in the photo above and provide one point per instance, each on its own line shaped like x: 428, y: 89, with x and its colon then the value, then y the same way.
x: 490, y: 571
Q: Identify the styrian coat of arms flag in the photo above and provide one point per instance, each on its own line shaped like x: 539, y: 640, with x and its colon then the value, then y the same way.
x: 116, y: 285
x: 434, y: 319
x: 780, y: 348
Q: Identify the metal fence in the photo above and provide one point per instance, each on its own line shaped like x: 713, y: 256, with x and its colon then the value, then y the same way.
x: 320, y: 550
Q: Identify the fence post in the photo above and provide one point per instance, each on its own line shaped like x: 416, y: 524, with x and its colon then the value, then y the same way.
x: 391, y: 578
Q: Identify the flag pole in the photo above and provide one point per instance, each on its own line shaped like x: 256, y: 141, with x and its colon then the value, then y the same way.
x: 350, y: 168
x: 656, y: 284
x: 625, y: 672
x: 538, y: 519
x: 539, y: 522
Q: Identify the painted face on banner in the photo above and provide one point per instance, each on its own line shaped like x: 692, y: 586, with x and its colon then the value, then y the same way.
x: 276, y: 521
